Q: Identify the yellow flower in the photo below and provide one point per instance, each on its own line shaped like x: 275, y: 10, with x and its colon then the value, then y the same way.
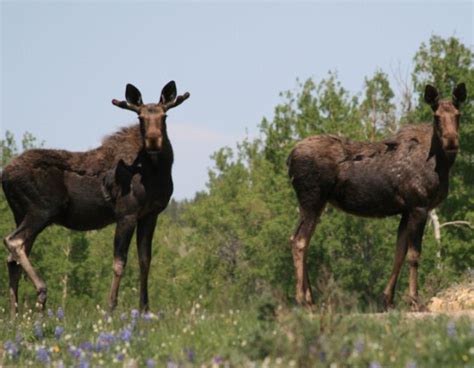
x: 56, y: 349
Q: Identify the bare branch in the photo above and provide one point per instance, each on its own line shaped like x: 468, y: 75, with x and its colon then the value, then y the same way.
x: 457, y: 223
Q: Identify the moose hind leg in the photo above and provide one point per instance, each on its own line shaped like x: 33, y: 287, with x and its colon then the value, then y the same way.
x: 14, y: 274
x: 300, y: 243
x: 19, y: 245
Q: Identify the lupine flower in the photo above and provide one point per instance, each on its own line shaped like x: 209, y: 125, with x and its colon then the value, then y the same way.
x: 375, y: 365
x: 134, y: 313
x: 451, y: 329
x: 123, y: 317
x: 359, y: 346
x: 218, y: 359
x: 84, y: 363
x: 75, y: 352
x: 171, y: 364
x: 11, y: 348
x: 42, y: 355
x: 38, y: 330
x: 87, y: 346
x: 120, y: 357
x: 150, y: 363
x: 58, y: 331
x: 190, y: 354
x: 50, y: 313
x: 147, y: 316
x: 322, y: 356
x: 60, y: 314
x: 126, y: 334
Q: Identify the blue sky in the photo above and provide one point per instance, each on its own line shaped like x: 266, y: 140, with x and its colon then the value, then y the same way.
x: 63, y: 62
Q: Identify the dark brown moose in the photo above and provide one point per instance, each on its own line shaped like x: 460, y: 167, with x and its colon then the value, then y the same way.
x: 127, y: 180
x: 405, y: 175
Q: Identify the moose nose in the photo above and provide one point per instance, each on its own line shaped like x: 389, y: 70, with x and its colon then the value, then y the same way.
x: 451, y: 143
x: 153, y: 141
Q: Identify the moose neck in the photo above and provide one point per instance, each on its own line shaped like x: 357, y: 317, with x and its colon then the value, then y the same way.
x: 157, y: 163
x: 443, y: 161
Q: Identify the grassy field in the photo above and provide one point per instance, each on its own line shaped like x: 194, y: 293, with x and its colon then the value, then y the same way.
x: 262, y: 335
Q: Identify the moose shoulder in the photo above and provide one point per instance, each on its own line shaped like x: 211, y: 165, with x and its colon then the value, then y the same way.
x: 127, y: 180
x: 407, y: 174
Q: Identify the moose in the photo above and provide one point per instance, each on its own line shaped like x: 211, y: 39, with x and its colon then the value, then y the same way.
x: 407, y: 175
x: 127, y: 181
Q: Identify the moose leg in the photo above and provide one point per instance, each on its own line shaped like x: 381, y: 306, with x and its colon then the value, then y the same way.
x: 19, y: 244
x: 145, y: 229
x: 14, y: 274
x: 299, y: 243
x: 400, y: 254
x: 123, y: 235
x: 416, y: 224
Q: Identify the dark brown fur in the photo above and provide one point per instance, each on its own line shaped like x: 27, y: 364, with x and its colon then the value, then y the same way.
x: 407, y: 174
x: 127, y: 180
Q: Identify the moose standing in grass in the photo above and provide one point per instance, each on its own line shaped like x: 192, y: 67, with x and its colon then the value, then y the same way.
x: 405, y: 175
x: 127, y: 180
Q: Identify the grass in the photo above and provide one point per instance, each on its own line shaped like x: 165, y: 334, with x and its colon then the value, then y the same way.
x: 261, y: 335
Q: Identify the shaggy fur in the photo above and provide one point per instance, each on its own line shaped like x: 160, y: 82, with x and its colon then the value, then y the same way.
x: 127, y: 180
x: 407, y: 174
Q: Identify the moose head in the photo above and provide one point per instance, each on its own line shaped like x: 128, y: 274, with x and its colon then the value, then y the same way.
x: 446, y: 117
x: 152, y: 116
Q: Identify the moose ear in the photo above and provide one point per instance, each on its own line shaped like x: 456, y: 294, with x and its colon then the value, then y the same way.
x: 459, y: 94
x: 168, y: 93
x: 133, y: 95
x: 431, y: 96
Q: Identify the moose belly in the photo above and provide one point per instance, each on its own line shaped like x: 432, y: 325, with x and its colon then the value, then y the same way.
x: 87, y: 208
x: 373, y: 196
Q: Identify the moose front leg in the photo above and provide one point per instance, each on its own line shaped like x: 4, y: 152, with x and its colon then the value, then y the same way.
x: 417, y: 222
x: 123, y: 235
x: 145, y: 229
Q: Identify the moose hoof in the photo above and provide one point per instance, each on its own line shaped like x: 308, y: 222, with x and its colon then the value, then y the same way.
x: 417, y: 306
x: 41, y: 299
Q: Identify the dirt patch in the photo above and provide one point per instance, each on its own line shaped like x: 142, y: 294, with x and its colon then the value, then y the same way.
x: 456, y: 298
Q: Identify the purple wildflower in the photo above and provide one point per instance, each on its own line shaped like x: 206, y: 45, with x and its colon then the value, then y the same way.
x: 359, y: 346
x: 123, y: 317
x: 84, y: 363
x: 38, y: 330
x: 42, y: 355
x: 87, y: 346
x: 411, y: 365
x: 218, y: 360
x: 190, y: 354
x: 11, y: 348
x: 18, y: 338
x: 50, y: 313
x: 322, y: 356
x: 451, y: 329
x: 120, y: 357
x: 147, y: 316
x: 126, y: 334
x: 150, y: 363
x: 60, y: 314
x: 171, y: 364
x: 375, y: 365
x: 58, y: 331
x: 134, y: 313
x: 75, y: 352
